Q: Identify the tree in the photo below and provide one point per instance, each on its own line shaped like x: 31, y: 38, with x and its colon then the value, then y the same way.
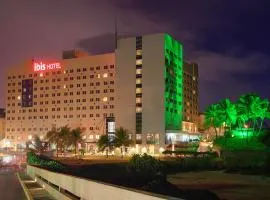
x: 264, y: 112
x: 59, y: 138
x: 228, y: 112
x: 53, y: 137
x: 63, y: 137
x: 250, y: 108
x: 104, y: 143
x: 212, y: 117
x: 122, y: 138
x: 39, y: 146
x: 75, y: 137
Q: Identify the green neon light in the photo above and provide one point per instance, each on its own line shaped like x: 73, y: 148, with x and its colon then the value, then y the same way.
x: 242, y: 133
x: 173, y: 84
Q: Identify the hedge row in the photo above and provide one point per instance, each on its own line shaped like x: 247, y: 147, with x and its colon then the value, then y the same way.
x: 190, y: 153
x: 44, y: 162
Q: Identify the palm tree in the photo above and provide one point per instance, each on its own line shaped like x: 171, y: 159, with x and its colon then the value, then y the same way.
x: 228, y: 112
x: 249, y: 107
x: 75, y: 137
x: 39, y: 146
x: 104, y: 142
x: 122, y: 138
x: 63, y: 136
x: 212, y: 117
x: 263, y: 112
x: 53, y: 137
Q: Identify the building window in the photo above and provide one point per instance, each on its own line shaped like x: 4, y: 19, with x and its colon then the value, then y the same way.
x: 138, y: 90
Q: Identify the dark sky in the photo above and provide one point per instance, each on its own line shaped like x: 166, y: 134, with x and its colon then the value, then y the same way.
x: 228, y: 38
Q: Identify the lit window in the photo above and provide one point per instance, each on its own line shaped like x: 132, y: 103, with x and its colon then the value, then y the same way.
x: 19, y: 97
x: 105, y: 75
x: 138, y: 109
x: 138, y: 100
x: 138, y: 71
x: 138, y: 52
x: 138, y: 81
x: 41, y: 74
x: 105, y: 99
x: 97, y: 137
x: 138, y: 90
x: 194, y: 92
x: 194, y: 78
x: 139, y: 62
x: 98, y: 75
x: 91, y: 137
x: 65, y: 86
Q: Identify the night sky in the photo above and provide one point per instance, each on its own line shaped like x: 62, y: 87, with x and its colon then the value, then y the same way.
x: 229, y: 39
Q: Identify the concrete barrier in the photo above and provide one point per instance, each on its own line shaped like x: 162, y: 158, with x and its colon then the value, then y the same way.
x: 84, y: 189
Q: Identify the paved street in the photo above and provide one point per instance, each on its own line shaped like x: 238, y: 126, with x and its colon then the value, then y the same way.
x: 10, y: 188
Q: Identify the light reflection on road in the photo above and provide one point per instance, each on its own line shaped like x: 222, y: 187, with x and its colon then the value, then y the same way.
x: 10, y: 188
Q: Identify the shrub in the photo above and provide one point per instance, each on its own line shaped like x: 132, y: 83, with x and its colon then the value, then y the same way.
x: 147, y: 170
x: 191, y: 153
x: 44, y: 162
x: 244, y: 159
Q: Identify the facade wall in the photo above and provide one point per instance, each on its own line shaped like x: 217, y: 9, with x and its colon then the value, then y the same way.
x: 153, y: 87
x: 174, y: 85
x: 126, y: 84
x: 2, y: 128
x: 80, y: 94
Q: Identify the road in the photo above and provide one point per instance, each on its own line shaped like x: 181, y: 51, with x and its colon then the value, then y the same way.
x: 10, y: 188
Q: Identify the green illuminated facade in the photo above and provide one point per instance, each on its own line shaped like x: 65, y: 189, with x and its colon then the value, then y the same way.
x: 173, y: 84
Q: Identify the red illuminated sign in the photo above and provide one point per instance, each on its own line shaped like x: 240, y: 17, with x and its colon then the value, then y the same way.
x: 40, y: 66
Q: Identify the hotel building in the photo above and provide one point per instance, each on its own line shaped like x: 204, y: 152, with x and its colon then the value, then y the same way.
x: 138, y: 87
x: 77, y: 92
x: 191, y: 95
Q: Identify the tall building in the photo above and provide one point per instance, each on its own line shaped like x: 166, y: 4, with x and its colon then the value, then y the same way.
x: 149, y: 95
x: 2, y: 123
x: 191, y: 95
x: 139, y: 87
x: 78, y: 92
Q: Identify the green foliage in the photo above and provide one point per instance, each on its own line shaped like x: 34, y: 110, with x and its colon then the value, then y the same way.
x: 122, y: 137
x: 265, y: 138
x: 244, y: 159
x: 44, y: 162
x: 38, y: 145
x: 235, y: 143
x: 147, y: 169
x: 104, y: 142
x: 250, y: 110
x: 65, y: 137
x: 190, y: 153
x: 176, y: 165
x: 212, y: 117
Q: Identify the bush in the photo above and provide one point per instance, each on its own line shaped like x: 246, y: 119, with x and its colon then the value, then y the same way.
x: 191, y: 153
x: 147, y: 170
x: 244, y: 159
x: 44, y: 162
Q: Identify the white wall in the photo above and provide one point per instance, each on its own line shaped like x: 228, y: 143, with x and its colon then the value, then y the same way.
x: 153, y: 84
x: 126, y: 84
x: 87, y: 189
